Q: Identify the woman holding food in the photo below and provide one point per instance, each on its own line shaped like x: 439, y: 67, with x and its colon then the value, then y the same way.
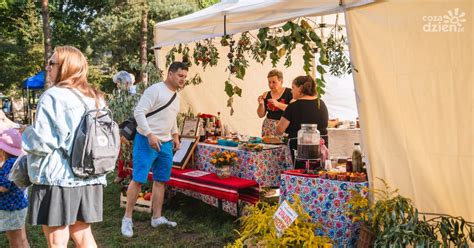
x: 272, y: 103
x: 305, y: 109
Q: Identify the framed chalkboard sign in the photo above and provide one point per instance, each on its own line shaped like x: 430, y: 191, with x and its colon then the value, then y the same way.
x: 183, y: 156
x: 190, y: 127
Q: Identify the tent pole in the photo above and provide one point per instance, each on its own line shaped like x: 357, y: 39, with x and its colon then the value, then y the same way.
x: 225, y: 25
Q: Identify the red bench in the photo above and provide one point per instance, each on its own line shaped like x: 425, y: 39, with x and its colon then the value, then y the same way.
x: 231, y: 189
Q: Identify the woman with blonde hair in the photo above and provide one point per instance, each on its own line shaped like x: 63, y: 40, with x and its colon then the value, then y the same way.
x: 65, y: 205
x: 272, y: 103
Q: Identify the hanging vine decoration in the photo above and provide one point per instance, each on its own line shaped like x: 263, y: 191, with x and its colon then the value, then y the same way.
x: 273, y: 43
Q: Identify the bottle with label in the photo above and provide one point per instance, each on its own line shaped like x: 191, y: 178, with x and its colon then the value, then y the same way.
x: 357, y: 158
x: 218, y: 125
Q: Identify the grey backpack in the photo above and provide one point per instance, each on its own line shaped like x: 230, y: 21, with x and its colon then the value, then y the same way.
x: 96, y: 144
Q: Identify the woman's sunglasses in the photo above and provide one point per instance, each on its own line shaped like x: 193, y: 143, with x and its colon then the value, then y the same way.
x: 51, y: 63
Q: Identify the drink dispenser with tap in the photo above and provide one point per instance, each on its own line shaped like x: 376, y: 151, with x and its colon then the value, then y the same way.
x: 308, y: 142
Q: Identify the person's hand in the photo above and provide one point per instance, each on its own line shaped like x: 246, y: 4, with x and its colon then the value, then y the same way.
x: 3, y: 189
x: 154, y: 142
x: 176, y: 144
x: 260, y: 100
x: 274, y: 102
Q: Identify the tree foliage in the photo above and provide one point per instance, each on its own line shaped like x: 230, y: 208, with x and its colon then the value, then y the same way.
x: 108, y: 32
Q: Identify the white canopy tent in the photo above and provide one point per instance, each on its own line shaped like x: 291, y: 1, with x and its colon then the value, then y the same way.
x: 241, y: 16
x: 414, y: 87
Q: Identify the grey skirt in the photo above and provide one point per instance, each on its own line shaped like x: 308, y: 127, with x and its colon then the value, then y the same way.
x: 63, y: 206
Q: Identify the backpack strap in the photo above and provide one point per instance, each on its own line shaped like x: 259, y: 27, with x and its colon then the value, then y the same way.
x: 80, y: 99
x: 163, y: 107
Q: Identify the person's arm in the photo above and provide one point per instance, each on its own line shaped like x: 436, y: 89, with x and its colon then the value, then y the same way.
x: 50, y: 129
x: 278, y: 104
x: 282, y: 126
x: 144, y: 106
x: 175, y: 134
x: 285, y: 120
x: 261, y: 111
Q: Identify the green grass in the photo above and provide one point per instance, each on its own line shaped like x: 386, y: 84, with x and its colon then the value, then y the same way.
x: 199, y: 225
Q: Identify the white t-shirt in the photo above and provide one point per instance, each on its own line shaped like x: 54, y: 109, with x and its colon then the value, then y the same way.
x: 162, y: 124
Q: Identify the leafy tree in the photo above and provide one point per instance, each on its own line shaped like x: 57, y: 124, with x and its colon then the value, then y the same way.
x: 108, y: 32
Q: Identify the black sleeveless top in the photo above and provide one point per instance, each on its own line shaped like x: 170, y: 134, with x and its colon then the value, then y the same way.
x: 273, y: 112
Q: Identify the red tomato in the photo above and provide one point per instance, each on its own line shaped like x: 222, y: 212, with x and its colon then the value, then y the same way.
x: 147, y: 196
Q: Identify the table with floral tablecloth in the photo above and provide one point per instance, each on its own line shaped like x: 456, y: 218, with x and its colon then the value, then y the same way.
x: 265, y: 167
x: 325, y: 202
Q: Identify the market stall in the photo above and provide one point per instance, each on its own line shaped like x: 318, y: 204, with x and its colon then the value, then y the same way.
x: 393, y: 144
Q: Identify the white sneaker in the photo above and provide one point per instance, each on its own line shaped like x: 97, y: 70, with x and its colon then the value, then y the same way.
x: 162, y: 221
x: 127, y: 227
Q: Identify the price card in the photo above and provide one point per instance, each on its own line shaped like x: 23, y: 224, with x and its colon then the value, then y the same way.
x: 284, y: 217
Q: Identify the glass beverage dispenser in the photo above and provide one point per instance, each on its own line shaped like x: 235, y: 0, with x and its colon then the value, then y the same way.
x: 308, y: 142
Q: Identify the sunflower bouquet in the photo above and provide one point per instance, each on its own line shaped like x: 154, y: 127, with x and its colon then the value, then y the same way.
x: 225, y: 158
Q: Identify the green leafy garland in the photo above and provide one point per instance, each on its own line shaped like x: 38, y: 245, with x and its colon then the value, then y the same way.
x: 275, y: 43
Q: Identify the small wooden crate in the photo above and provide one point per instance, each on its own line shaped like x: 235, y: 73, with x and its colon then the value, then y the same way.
x: 140, y: 206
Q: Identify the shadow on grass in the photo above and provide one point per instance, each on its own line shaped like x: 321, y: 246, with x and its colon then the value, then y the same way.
x: 199, y: 225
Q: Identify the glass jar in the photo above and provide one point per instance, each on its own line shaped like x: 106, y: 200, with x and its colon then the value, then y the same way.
x: 308, y: 142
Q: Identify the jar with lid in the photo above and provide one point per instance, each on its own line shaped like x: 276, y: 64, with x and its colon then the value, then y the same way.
x: 308, y: 142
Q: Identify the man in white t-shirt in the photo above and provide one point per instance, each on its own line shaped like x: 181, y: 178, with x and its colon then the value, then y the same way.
x: 156, y: 138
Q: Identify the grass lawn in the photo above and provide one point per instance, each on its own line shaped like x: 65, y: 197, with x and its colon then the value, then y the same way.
x: 199, y: 225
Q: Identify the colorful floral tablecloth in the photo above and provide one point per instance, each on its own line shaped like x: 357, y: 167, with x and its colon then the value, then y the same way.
x: 265, y: 167
x: 324, y: 200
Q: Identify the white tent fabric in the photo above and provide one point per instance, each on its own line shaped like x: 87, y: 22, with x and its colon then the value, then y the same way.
x: 242, y: 15
x: 415, y: 96
x: 209, y: 97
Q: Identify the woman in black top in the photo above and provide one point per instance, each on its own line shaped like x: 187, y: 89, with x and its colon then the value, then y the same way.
x: 304, y: 110
x: 272, y: 103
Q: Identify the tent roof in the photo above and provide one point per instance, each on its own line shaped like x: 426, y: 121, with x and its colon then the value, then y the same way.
x: 35, y: 82
x: 241, y: 16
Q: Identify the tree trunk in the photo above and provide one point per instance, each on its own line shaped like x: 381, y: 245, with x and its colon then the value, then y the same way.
x: 143, y: 45
x: 46, y: 31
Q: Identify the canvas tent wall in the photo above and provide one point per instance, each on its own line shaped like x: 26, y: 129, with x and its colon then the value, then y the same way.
x: 414, y: 88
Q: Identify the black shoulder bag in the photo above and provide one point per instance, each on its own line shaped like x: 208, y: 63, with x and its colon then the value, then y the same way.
x: 128, y: 128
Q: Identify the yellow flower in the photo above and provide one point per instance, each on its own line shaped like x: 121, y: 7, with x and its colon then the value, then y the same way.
x: 221, y: 159
x: 234, y: 154
x: 236, y: 159
x: 213, y: 161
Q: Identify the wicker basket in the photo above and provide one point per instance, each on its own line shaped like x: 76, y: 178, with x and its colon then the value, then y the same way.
x: 366, y: 237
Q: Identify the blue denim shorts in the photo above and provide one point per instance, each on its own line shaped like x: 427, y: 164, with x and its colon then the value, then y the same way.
x: 146, y: 158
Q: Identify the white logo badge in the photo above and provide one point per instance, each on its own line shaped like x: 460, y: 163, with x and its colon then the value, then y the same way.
x: 102, y: 140
x: 452, y: 22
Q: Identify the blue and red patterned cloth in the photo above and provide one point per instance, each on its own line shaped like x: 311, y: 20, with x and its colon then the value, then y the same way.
x: 325, y: 201
x: 15, y: 198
